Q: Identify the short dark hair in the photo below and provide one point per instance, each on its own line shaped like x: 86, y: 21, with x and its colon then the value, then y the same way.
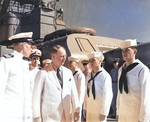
x: 55, y: 49
x: 133, y: 47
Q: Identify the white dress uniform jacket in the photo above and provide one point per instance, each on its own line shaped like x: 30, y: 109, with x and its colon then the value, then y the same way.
x: 15, y: 100
x: 103, y: 92
x: 80, y: 85
x: 135, y: 106
x: 32, y: 77
x: 50, y: 100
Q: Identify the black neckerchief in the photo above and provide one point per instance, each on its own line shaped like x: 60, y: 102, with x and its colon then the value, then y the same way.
x: 75, y: 73
x: 93, y: 85
x: 123, y: 78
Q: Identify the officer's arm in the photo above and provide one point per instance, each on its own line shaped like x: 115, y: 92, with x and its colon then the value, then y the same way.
x: 37, y: 91
x: 4, y: 73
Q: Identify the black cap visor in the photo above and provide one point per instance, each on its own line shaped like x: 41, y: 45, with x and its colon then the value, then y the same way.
x: 10, y: 42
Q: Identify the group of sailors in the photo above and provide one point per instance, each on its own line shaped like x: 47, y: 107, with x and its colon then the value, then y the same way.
x: 56, y: 93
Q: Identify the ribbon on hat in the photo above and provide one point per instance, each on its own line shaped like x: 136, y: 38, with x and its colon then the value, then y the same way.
x: 22, y: 40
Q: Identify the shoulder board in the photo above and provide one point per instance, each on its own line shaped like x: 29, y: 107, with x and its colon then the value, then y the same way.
x: 8, y: 55
x: 25, y: 58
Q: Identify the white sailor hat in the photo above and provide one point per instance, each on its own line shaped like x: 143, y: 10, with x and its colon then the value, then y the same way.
x: 20, y: 37
x: 73, y: 58
x: 36, y: 52
x: 46, y: 61
x: 94, y: 54
x: 128, y: 43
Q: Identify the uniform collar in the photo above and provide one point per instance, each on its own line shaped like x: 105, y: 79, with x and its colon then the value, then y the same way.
x: 18, y: 55
x: 78, y: 69
x: 101, y: 69
x: 135, y: 61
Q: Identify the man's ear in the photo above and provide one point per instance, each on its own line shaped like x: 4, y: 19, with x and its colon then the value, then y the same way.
x: 100, y: 61
x: 23, y: 44
x: 135, y: 51
x: 53, y: 56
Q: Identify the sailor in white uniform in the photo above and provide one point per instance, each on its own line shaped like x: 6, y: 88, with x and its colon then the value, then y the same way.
x: 99, y: 90
x: 35, y: 60
x: 133, y: 100
x: 79, y: 79
x: 15, y: 98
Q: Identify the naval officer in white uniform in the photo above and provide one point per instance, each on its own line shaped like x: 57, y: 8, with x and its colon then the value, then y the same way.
x: 79, y: 79
x: 99, y: 90
x: 15, y: 98
x: 133, y: 100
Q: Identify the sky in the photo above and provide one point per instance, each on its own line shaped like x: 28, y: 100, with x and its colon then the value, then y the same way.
x: 120, y: 19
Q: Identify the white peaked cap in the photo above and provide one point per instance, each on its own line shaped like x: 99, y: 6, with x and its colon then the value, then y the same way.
x: 46, y: 61
x: 73, y: 58
x: 94, y: 54
x: 21, y: 35
x: 128, y: 43
x: 36, y: 52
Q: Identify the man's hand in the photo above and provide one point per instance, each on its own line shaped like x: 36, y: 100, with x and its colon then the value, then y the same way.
x: 76, y: 117
x: 38, y: 119
x: 48, y: 67
x: 102, y: 117
x: 84, y: 113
